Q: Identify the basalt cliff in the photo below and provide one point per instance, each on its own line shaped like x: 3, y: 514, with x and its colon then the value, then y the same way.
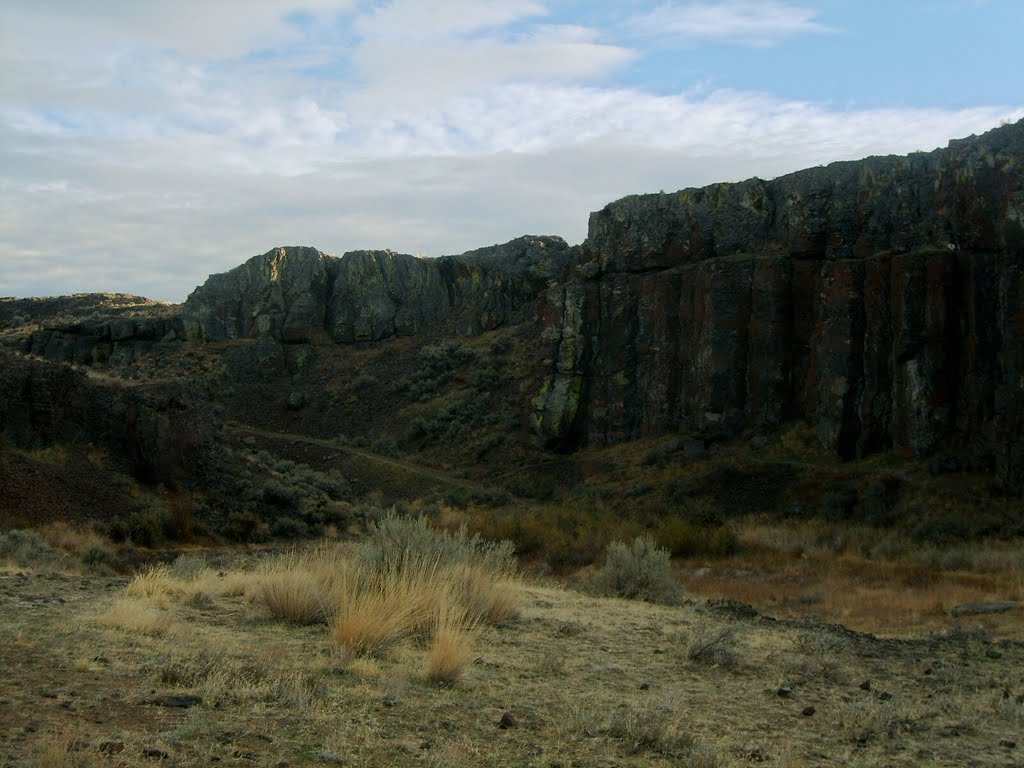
x: 300, y: 294
x: 881, y: 300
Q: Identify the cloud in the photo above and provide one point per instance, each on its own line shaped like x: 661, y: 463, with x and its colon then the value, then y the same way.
x: 208, y: 29
x: 147, y: 156
x: 746, y: 23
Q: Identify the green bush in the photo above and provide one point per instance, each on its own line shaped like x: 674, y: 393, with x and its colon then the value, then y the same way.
x: 642, y: 571
x: 395, y: 539
x: 146, y: 526
x: 246, y: 527
x: 27, y: 549
x: 289, y: 528
x: 685, y: 539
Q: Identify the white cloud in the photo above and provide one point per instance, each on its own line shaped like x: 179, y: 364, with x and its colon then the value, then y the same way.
x: 149, y: 156
x: 762, y: 23
x: 63, y: 29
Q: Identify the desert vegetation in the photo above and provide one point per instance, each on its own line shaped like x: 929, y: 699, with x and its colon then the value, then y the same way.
x: 418, y: 645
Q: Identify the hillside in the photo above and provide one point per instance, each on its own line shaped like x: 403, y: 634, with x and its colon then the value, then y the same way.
x: 764, y: 376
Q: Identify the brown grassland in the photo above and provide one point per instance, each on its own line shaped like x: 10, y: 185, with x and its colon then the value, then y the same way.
x: 315, y: 657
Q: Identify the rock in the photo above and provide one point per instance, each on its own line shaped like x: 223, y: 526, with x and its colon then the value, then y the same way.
x: 299, y: 294
x: 969, y: 609
x: 883, y: 696
x: 758, y: 442
x: 785, y: 691
x: 879, y: 300
x: 1008, y: 743
x: 865, y: 686
x: 155, y: 754
x: 808, y: 711
x: 296, y: 400
x: 645, y: 686
x: 508, y: 720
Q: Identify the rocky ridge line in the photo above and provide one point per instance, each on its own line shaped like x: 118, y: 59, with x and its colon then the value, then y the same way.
x: 300, y: 294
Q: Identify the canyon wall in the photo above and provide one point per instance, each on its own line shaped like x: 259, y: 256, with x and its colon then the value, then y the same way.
x: 301, y: 294
x: 881, y: 300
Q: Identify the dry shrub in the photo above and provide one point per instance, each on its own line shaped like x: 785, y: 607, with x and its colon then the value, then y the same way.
x: 156, y: 585
x: 642, y: 571
x: 485, y: 598
x: 713, y: 645
x: 451, y: 647
x: 379, y: 609
x: 652, y: 727
x: 135, y: 614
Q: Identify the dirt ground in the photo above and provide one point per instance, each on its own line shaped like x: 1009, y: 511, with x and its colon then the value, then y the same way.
x: 572, y: 681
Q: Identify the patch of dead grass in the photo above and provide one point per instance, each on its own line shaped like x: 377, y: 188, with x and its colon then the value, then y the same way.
x: 452, y: 645
x: 135, y: 614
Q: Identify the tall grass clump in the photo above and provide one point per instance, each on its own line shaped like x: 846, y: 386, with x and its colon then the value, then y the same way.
x: 641, y: 571
x: 432, y: 587
x: 377, y: 609
x: 451, y: 645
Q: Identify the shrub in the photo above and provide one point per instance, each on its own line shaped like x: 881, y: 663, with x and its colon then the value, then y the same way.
x: 713, y: 646
x: 395, y: 540
x: 145, y: 526
x: 642, y: 571
x: 245, y: 527
x: 188, y: 567
x: 289, y: 528
x: 28, y: 549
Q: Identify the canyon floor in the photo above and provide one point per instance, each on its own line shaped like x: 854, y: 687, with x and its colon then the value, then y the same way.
x: 572, y: 680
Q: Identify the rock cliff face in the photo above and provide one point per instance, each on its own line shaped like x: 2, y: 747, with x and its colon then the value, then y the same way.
x: 883, y: 300
x: 161, y: 431
x: 300, y: 294
x: 119, y: 340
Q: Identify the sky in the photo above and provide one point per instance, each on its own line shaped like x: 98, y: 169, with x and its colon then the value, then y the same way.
x: 146, y: 145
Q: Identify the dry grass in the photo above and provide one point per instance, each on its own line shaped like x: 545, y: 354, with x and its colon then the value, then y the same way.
x: 377, y: 610
x: 155, y: 584
x: 452, y: 645
x: 487, y: 599
x: 134, y: 614
x: 845, y: 574
x: 294, y: 595
x: 590, y: 681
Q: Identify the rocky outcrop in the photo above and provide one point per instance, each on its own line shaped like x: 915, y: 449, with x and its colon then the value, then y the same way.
x: 300, y: 294
x: 162, y: 432
x: 120, y: 340
x: 883, y: 300
x: 281, y: 294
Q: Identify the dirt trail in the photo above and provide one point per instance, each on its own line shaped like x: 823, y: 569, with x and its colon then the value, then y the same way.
x: 405, y: 466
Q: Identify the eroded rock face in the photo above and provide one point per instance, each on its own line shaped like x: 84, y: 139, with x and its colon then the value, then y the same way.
x: 882, y: 300
x: 281, y: 294
x: 119, y: 340
x: 301, y: 294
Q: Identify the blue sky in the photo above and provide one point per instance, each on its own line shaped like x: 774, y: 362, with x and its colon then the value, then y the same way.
x: 145, y: 145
